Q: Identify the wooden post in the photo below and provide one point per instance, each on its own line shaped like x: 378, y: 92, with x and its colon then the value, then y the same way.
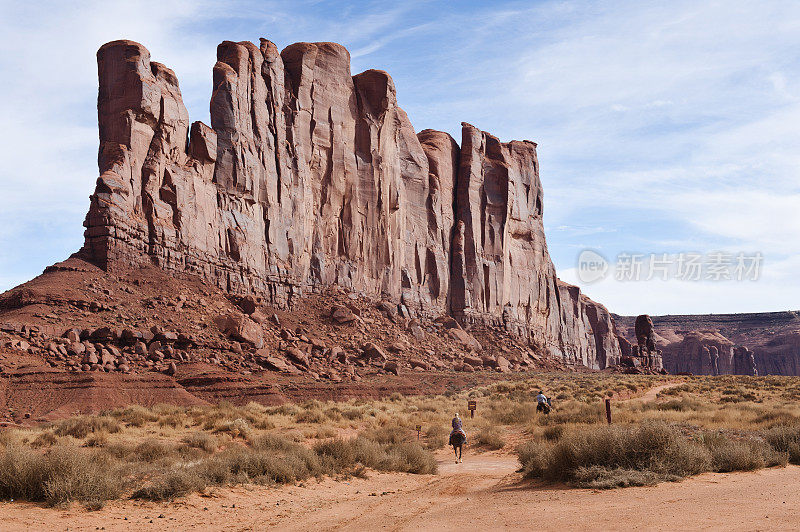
x: 608, y: 410
x: 419, y: 428
x: 471, y: 406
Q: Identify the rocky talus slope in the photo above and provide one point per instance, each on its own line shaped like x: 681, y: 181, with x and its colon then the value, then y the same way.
x: 309, y: 177
x: 721, y: 344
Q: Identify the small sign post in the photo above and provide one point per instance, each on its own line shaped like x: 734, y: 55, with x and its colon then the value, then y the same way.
x: 608, y: 410
x: 472, y: 405
x: 419, y: 429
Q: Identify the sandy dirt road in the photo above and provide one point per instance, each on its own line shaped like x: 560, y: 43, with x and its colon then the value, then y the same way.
x: 483, y: 493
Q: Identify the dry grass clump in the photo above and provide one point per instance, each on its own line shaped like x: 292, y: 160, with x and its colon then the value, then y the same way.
x: 728, y: 454
x: 636, y: 455
x: 134, y: 415
x: 172, y: 484
x: 573, y: 412
x: 62, y: 474
x: 151, y: 450
x: 45, y: 439
x: 785, y: 439
x: 553, y: 432
x: 490, y: 437
x: 201, y: 440
x: 97, y: 439
x: 82, y: 426
x: 349, y: 454
x: 604, y: 456
x: 436, y: 436
x: 236, y: 428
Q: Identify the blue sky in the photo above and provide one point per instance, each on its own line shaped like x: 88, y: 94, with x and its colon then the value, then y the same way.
x: 663, y: 127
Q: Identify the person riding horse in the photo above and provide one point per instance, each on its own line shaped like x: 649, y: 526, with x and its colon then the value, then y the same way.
x: 457, y: 437
x: 542, y: 403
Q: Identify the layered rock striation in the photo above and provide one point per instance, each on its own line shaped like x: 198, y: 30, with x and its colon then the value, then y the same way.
x: 310, y: 177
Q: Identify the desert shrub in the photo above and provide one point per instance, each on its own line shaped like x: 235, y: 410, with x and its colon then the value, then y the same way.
x: 353, y: 414
x: 97, y: 439
x: 201, y: 440
x: 236, y: 428
x: 8, y: 437
x: 785, y: 439
x: 684, y: 404
x: 62, y: 474
x: 553, y: 432
x: 269, y: 466
x: 390, y: 434
x: 325, y: 432
x: 410, y: 458
x: 490, y: 437
x: 80, y: 427
x: 675, y: 390
x: 174, y: 420
x: 135, y: 415
x: 45, y: 439
x: 436, y: 437
x: 172, y: 484
x: 650, y: 447
x: 342, y: 455
x: 574, y: 412
x: 286, y: 409
x: 273, y: 442
x: 512, y: 413
x: 776, y: 417
x: 598, y: 477
x: 151, y: 450
x: 729, y: 454
x: 311, y: 415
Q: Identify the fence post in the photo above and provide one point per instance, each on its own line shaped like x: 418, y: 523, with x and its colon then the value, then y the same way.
x: 608, y: 409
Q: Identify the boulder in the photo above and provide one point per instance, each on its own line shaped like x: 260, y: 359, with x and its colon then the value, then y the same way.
x: 371, y: 351
x: 338, y: 354
x: 503, y: 364
x: 76, y: 348
x: 473, y: 361
x: 343, y: 315
x: 464, y: 338
x: 297, y: 356
x: 391, y: 367
x: 242, y: 329
x: 248, y: 304
x: 73, y: 335
x: 417, y: 363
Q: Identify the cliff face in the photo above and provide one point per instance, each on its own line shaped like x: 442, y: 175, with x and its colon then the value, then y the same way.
x: 309, y: 177
x: 728, y: 344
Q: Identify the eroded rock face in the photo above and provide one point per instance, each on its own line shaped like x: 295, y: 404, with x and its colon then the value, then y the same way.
x: 501, y: 270
x: 310, y: 177
x: 709, y: 353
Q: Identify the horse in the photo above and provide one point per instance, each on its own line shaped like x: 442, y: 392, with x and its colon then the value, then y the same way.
x: 457, y: 440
